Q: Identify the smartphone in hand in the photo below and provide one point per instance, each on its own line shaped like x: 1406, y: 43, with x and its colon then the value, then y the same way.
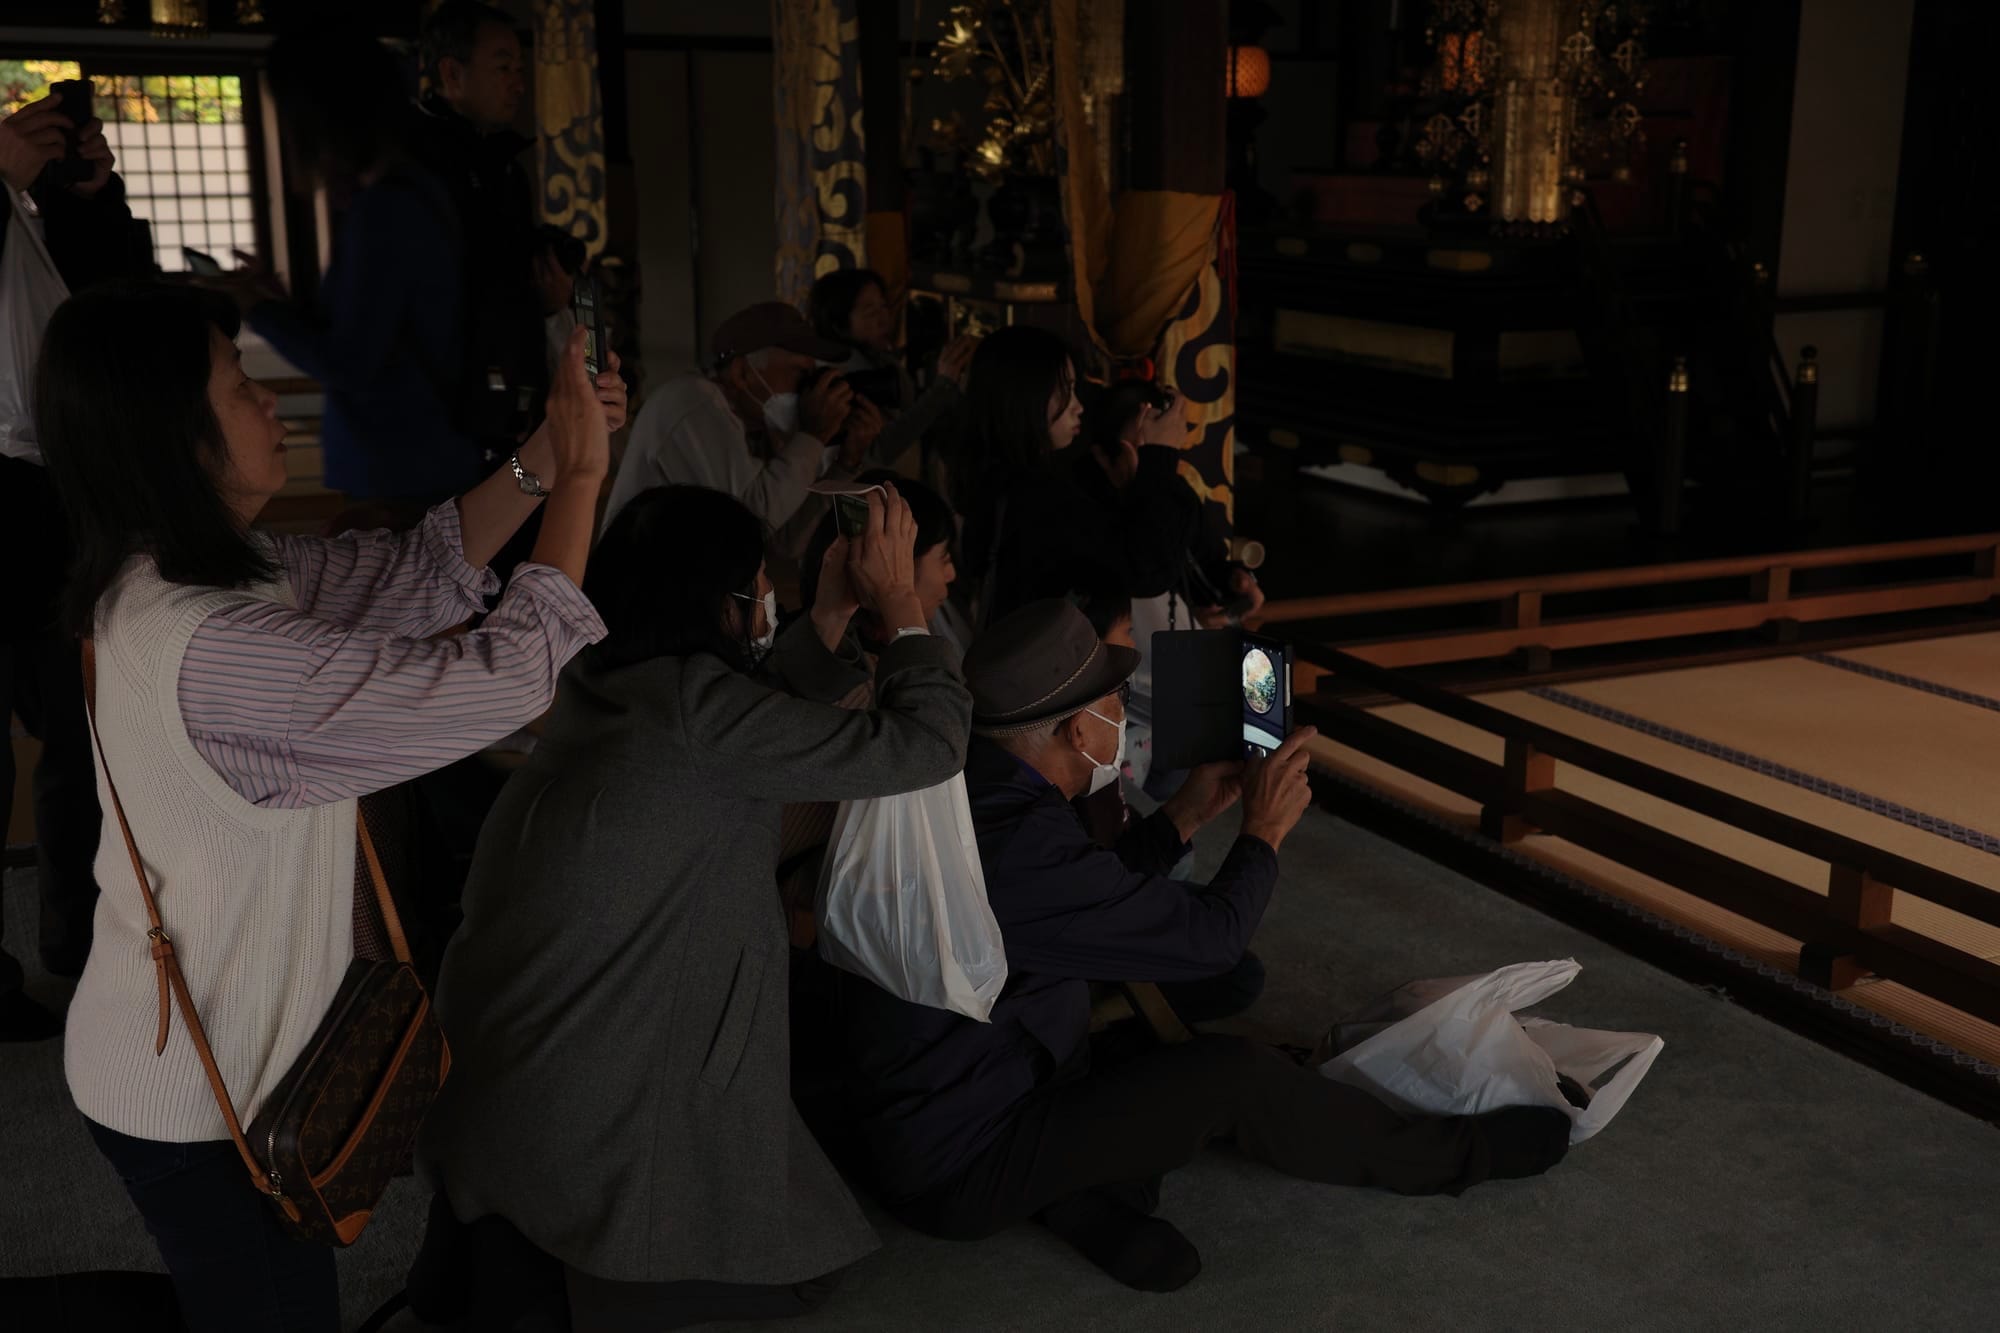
x: 589, y: 311
x: 850, y: 505
x: 78, y: 105
x: 199, y: 264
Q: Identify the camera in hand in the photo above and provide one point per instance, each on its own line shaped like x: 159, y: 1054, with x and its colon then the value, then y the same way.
x: 1117, y: 405
x: 79, y: 99
x: 811, y: 380
x: 1218, y: 695
x: 882, y: 387
x: 1201, y: 588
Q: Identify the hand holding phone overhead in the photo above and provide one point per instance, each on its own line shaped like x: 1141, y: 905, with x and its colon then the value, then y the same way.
x: 850, y: 504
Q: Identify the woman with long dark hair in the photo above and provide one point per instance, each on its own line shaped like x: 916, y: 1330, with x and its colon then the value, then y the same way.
x: 1042, y: 519
x: 616, y: 998
x: 248, y: 690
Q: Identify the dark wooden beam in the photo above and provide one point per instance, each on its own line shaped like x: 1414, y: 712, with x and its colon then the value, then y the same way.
x: 1174, y: 101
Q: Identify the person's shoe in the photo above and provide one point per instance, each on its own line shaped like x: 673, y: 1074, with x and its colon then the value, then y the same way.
x: 21, y: 1019
x: 1145, y: 1253
x: 1524, y: 1140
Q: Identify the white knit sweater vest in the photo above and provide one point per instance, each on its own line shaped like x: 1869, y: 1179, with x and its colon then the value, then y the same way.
x: 258, y: 902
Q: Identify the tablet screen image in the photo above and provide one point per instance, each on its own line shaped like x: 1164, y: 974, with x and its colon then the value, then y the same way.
x: 1265, y: 705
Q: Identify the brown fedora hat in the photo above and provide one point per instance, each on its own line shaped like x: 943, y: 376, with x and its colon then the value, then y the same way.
x: 773, y: 324
x: 1039, y: 665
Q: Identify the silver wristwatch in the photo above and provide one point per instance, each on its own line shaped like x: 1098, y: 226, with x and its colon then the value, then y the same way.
x: 529, y: 483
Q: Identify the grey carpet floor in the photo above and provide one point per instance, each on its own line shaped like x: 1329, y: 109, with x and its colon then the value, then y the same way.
x: 1756, y: 1180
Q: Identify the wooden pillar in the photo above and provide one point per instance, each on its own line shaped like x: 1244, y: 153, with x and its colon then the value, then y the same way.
x: 1804, y: 430
x: 1526, y: 770
x: 1671, y: 477
x: 1773, y: 588
x: 882, y: 91
x: 1174, y: 95
x: 1854, y: 898
x: 1524, y: 611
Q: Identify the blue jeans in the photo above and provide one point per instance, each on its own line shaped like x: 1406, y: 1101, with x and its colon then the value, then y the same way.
x: 235, y: 1269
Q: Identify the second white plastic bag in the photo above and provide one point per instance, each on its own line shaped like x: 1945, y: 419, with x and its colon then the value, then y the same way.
x: 1453, y: 1046
x: 902, y: 901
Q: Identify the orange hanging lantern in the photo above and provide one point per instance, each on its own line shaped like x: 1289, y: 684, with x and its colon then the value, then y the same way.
x: 1249, y: 71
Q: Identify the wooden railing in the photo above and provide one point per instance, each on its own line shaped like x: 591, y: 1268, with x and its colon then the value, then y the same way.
x: 1524, y: 623
x: 1846, y: 933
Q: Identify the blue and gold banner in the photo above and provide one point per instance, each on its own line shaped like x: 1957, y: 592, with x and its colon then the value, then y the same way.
x: 569, y: 118
x: 1197, y: 355
x: 822, y: 185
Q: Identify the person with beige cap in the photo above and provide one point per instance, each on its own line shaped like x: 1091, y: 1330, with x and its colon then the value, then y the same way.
x: 743, y: 427
x: 968, y: 1128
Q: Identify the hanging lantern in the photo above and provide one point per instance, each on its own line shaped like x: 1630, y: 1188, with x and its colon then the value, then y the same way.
x: 1249, y: 71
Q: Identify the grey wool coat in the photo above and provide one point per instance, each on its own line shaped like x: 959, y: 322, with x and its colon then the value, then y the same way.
x: 616, y: 1000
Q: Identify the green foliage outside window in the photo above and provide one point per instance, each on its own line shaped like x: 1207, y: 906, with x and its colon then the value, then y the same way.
x: 185, y: 99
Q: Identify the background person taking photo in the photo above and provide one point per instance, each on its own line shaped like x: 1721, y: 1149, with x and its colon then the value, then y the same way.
x: 57, y: 236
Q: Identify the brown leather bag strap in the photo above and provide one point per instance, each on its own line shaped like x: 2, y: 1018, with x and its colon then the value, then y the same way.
x: 172, y: 981
x: 166, y: 962
x: 162, y: 946
x: 392, y: 925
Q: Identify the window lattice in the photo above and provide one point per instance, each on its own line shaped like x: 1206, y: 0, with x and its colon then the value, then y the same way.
x: 184, y: 151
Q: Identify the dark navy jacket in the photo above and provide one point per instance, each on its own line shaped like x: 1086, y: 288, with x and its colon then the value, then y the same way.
x: 386, y: 345
x: 930, y: 1089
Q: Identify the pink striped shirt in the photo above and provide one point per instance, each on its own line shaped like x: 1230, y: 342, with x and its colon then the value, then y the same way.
x: 347, y: 693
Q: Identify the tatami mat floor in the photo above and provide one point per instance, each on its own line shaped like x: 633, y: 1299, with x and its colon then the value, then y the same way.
x: 1870, y: 753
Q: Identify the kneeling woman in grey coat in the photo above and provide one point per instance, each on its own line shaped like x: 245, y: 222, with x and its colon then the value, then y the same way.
x: 616, y: 999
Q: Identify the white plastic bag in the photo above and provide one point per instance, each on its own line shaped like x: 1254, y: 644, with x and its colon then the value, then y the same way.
x: 902, y: 901
x: 30, y: 291
x: 1453, y: 1046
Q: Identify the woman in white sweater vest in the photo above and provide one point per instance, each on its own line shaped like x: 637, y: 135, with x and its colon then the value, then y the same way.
x: 249, y: 690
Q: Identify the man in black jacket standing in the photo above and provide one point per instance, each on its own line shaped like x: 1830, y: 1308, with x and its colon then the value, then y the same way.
x: 57, y: 235
x: 464, y: 133
x: 971, y: 1127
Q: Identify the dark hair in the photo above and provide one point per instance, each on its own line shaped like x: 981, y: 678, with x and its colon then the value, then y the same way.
x: 936, y: 525
x: 667, y: 569
x: 1014, y: 374
x: 452, y: 32
x: 831, y: 304
x: 1107, y: 411
x: 1103, y: 609
x: 131, y: 443
x: 341, y: 97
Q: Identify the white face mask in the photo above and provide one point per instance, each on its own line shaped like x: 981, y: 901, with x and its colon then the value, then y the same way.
x: 761, y: 644
x: 781, y: 410
x: 1106, y: 774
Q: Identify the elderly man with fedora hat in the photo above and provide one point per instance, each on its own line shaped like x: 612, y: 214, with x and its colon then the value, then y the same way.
x: 969, y: 1127
x: 743, y: 426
